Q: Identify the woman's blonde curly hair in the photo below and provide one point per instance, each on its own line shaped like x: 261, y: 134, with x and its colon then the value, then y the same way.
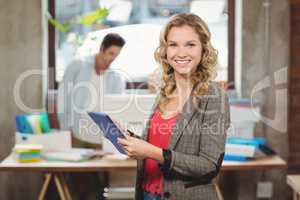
x: 206, y: 70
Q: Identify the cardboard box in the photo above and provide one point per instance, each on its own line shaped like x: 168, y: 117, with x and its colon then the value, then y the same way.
x: 55, y: 140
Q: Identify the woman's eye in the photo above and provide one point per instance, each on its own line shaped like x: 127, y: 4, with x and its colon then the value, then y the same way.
x: 172, y: 45
x: 191, y: 45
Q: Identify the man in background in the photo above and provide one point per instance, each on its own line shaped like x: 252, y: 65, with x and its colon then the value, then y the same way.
x: 85, y: 82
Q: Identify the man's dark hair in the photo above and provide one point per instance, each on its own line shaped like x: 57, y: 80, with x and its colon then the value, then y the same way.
x: 112, y: 39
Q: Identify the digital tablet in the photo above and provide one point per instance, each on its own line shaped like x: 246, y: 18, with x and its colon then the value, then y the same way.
x: 110, y: 130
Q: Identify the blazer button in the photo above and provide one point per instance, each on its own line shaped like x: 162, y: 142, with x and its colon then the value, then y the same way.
x: 167, y: 194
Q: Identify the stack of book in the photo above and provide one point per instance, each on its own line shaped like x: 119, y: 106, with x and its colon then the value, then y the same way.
x: 242, y: 149
x: 25, y: 153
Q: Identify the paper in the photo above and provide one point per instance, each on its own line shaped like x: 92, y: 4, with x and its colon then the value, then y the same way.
x: 73, y: 155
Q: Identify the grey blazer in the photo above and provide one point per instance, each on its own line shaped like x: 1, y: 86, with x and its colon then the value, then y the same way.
x: 197, y: 144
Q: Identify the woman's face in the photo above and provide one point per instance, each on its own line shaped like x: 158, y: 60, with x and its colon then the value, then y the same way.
x: 184, y: 50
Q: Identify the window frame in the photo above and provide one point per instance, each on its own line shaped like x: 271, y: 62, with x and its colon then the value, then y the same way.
x: 52, y: 44
x: 52, y: 83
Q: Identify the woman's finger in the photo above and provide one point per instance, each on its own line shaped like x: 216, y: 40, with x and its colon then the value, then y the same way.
x: 131, y: 155
x: 123, y: 142
x: 128, y: 151
x: 128, y: 137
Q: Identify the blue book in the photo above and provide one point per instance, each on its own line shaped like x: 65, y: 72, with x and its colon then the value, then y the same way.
x: 235, y: 158
x: 22, y: 124
x: 44, y: 122
x: 27, y: 124
x: 257, y: 142
x: 29, y: 155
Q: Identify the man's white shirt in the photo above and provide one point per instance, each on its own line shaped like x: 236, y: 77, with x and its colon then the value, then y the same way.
x: 83, y: 90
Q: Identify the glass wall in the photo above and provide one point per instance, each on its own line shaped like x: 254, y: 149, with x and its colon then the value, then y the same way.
x: 136, y: 58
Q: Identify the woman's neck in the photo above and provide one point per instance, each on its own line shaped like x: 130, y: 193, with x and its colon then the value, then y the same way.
x: 179, y: 97
x: 183, y: 86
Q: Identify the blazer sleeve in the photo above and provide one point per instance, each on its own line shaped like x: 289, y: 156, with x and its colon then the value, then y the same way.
x: 212, y: 141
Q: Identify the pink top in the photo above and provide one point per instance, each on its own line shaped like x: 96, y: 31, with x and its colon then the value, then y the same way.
x: 159, y: 133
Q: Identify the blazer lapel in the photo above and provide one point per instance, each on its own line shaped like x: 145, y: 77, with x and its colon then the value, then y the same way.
x: 189, y: 110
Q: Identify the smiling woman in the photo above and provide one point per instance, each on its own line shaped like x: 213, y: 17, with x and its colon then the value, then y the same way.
x: 182, y: 147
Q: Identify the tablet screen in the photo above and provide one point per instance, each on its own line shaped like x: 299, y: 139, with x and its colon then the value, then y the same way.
x: 109, y: 129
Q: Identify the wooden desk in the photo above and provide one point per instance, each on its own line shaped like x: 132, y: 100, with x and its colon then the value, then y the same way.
x: 107, y: 163
x: 294, y: 182
x: 55, y: 169
x: 265, y: 163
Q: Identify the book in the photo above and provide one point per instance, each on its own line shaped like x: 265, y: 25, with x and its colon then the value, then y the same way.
x: 22, y: 124
x: 240, y: 150
x: 244, y: 150
x: 235, y: 158
x: 33, y: 123
x: 27, y: 153
x: 258, y: 141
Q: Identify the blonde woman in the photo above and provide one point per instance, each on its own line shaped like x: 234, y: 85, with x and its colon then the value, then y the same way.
x: 182, y: 148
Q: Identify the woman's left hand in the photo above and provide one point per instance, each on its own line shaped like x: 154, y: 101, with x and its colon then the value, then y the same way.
x: 136, y: 148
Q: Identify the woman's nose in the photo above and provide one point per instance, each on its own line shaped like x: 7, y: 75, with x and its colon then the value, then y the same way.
x: 181, y: 52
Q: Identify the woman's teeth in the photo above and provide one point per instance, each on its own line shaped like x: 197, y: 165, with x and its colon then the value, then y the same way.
x: 182, y: 61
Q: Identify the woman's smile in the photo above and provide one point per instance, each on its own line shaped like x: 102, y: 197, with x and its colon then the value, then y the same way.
x: 182, y: 62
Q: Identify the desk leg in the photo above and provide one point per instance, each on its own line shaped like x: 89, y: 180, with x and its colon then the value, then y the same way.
x: 64, y: 186
x: 59, y: 187
x: 295, y: 196
x: 219, y: 193
x: 45, y: 186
